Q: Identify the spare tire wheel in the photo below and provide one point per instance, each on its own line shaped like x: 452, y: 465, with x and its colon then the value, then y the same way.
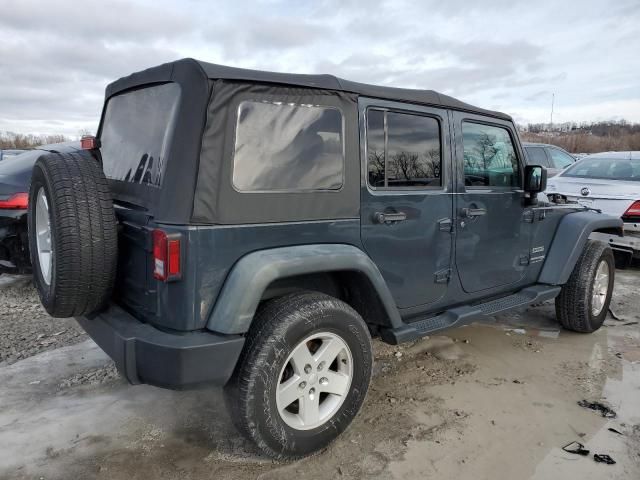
x: 72, y: 234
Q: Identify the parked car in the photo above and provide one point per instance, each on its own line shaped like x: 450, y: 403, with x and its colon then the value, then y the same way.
x: 255, y: 229
x: 608, y: 181
x: 7, y: 154
x: 553, y: 158
x: 15, y: 177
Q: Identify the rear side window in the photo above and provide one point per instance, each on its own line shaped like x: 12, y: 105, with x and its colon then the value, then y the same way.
x: 403, y: 150
x: 490, y: 159
x: 135, y: 133
x: 537, y: 156
x: 288, y: 147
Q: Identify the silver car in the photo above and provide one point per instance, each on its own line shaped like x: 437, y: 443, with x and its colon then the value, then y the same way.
x: 608, y: 181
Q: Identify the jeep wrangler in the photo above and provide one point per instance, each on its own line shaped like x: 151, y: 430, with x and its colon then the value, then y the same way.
x: 255, y: 230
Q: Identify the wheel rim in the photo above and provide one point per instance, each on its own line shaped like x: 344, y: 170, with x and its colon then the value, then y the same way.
x: 314, y: 381
x: 600, y: 288
x: 43, y: 236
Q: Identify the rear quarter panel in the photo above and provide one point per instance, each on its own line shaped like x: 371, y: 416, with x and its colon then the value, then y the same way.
x: 209, y: 253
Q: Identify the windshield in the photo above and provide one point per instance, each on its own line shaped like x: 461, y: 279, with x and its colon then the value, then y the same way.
x: 606, y: 169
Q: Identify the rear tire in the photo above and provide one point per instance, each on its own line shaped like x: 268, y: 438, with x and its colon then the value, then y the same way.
x: 584, y: 300
x: 279, y: 353
x: 72, y: 234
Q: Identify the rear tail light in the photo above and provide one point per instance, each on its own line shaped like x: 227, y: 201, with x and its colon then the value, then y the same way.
x: 167, y: 256
x: 18, y: 201
x: 633, y: 210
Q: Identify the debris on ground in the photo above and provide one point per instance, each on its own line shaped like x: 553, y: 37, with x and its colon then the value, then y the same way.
x: 97, y: 376
x: 576, y: 448
x: 519, y: 331
x: 549, y: 333
x: 603, y: 458
x: 599, y: 407
x: 615, y: 431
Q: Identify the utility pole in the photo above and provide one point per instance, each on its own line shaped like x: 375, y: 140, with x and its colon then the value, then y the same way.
x: 553, y: 97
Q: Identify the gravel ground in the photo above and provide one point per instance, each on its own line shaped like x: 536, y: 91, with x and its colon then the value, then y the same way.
x: 26, y: 327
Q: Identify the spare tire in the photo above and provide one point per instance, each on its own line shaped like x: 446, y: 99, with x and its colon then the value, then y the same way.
x: 72, y: 234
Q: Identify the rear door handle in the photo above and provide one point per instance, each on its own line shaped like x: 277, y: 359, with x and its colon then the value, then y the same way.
x: 389, y: 217
x: 473, y: 212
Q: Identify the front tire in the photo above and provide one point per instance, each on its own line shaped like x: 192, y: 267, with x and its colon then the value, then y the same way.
x: 303, y: 375
x: 584, y: 300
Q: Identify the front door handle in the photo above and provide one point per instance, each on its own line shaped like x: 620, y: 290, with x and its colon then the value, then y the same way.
x: 473, y: 212
x: 389, y: 217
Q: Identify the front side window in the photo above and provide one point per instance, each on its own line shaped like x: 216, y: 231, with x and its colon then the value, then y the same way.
x: 560, y: 159
x: 490, y: 159
x: 403, y: 150
x: 288, y: 147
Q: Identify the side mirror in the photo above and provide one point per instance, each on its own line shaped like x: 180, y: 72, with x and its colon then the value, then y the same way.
x: 535, y: 179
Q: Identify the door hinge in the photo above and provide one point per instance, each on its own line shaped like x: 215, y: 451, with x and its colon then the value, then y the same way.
x: 445, y: 225
x: 443, y: 276
x: 524, y: 260
x: 528, y: 216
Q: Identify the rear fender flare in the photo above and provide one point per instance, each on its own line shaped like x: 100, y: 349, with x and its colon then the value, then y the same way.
x: 570, y: 238
x: 252, y: 274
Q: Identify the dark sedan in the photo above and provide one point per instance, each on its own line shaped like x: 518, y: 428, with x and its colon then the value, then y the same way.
x: 7, y: 154
x: 15, y: 178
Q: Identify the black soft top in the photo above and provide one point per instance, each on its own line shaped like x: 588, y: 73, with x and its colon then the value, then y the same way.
x: 189, y: 70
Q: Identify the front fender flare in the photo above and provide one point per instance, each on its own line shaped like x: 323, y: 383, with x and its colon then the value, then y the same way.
x: 251, y: 275
x: 571, y: 236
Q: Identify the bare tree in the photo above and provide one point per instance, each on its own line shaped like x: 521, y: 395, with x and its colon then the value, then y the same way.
x: 26, y: 141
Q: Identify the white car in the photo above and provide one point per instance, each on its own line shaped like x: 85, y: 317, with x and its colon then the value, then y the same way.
x: 610, y: 182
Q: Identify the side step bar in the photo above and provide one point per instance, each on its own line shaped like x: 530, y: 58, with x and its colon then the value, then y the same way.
x: 464, y: 315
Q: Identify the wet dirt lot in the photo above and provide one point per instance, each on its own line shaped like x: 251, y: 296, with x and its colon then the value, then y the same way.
x: 491, y: 401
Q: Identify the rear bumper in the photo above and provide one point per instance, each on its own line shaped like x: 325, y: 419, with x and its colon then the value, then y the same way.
x: 144, y: 354
x: 629, y: 244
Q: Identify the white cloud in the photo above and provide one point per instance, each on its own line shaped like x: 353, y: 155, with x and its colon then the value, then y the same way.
x: 56, y: 57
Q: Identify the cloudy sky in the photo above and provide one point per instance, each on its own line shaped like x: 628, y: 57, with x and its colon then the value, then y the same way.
x: 57, y: 56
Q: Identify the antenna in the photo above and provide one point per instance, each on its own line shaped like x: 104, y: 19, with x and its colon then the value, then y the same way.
x: 553, y: 97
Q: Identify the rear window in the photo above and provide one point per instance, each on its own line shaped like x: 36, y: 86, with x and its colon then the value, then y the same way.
x: 135, y: 136
x: 606, y: 168
x: 288, y: 147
